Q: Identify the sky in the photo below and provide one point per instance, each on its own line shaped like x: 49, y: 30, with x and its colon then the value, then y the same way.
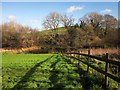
x: 32, y: 13
x: 60, y: 0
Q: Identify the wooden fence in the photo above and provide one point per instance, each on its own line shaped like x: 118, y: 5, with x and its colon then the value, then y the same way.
x: 104, y: 72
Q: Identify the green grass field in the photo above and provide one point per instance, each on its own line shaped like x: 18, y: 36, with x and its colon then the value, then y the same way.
x: 60, y: 30
x: 45, y: 71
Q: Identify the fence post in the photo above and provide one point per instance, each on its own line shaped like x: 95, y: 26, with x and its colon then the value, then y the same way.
x: 106, y: 68
x: 74, y: 55
x: 78, y: 58
x: 88, y: 60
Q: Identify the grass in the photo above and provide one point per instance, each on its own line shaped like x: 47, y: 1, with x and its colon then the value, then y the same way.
x: 46, y: 71
x: 15, y: 66
x: 50, y: 32
x: 38, y: 71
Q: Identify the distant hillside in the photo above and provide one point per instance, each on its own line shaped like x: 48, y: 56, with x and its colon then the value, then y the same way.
x: 60, y: 30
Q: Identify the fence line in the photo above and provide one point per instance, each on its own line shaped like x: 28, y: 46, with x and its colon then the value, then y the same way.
x: 105, y: 59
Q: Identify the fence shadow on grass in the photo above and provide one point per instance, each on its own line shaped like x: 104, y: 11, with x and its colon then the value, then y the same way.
x: 24, y: 79
x: 54, y: 75
x: 87, y: 81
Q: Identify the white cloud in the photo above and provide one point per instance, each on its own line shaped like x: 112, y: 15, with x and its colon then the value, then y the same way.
x: 73, y: 8
x: 11, y: 18
x: 106, y: 11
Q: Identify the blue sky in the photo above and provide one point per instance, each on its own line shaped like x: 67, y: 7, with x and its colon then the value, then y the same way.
x: 60, y: 0
x: 32, y: 13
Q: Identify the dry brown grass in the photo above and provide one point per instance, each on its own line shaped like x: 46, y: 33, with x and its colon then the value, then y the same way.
x: 100, y: 51
x: 18, y: 50
x: 93, y: 51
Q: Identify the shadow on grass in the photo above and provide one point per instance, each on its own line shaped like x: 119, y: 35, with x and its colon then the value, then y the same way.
x: 66, y: 60
x: 54, y: 76
x: 24, y: 79
x: 87, y: 80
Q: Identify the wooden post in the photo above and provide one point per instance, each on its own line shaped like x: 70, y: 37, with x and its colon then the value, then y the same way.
x: 88, y: 60
x: 74, y: 54
x: 106, y: 68
x: 78, y: 55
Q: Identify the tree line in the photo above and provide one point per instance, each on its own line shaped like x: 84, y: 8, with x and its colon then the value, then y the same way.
x: 92, y: 30
x: 15, y: 35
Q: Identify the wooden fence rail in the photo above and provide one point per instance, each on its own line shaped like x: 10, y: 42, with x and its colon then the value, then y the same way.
x: 105, y: 59
x: 99, y: 58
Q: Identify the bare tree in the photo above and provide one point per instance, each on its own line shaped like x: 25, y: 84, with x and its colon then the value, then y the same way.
x: 67, y: 21
x: 52, y: 21
x: 94, y: 19
x: 14, y: 35
x: 110, y: 22
x: 98, y: 23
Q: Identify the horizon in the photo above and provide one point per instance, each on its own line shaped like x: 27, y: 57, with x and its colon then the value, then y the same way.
x: 32, y: 13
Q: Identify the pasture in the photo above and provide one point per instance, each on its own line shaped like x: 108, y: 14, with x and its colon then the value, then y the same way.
x: 48, y: 71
